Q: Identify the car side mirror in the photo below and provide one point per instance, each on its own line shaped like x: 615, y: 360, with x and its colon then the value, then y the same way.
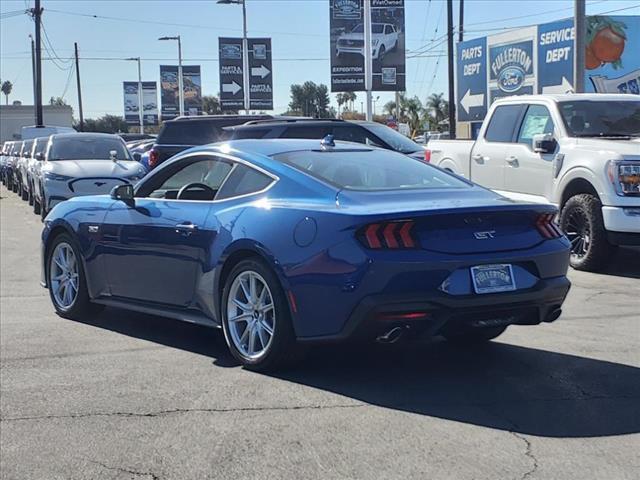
x: 40, y: 156
x: 137, y: 157
x: 543, y: 143
x: 123, y: 193
x: 113, y: 155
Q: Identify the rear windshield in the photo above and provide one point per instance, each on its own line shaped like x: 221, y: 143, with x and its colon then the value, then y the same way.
x: 198, y: 132
x: 395, y: 140
x: 87, y: 148
x: 370, y: 170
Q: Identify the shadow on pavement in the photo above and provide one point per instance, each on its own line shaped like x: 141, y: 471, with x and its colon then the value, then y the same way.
x: 625, y: 263
x: 496, y: 385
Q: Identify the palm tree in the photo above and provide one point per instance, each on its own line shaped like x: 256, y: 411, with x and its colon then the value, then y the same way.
x: 414, y: 114
x: 6, y: 88
x: 389, y: 108
x: 438, y: 107
x: 350, y: 97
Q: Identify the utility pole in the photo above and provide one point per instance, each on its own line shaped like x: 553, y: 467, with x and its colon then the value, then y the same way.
x: 452, y: 98
x: 579, y: 45
x: 368, y: 61
x: 75, y: 46
x: 33, y: 72
x: 37, y: 14
x: 461, y: 22
x: 245, y: 60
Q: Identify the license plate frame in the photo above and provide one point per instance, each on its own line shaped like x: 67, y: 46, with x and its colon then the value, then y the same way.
x: 487, y: 278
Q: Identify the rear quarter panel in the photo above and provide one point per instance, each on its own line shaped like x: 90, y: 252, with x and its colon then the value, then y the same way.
x: 451, y: 155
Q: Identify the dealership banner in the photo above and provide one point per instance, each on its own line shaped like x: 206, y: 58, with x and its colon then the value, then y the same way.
x: 539, y: 59
x: 192, y: 84
x: 192, y: 87
x: 149, y: 103
x: 346, y: 23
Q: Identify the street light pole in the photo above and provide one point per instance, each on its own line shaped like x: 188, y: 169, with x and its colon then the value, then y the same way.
x: 245, y: 52
x: 579, y: 45
x: 180, y: 80
x: 140, y: 115
x: 180, y: 85
x: 368, y: 61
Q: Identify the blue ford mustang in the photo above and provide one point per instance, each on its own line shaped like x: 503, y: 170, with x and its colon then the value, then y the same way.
x: 282, y: 242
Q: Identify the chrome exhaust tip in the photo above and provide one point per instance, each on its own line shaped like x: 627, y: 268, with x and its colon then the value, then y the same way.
x: 392, y: 336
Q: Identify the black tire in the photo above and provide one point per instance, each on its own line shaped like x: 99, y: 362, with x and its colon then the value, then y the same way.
x: 479, y: 335
x: 14, y: 185
x: 282, y: 350
x: 43, y: 207
x: 30, y: 199
x: 82, y: 306
x: 381, y: 53
x: 590, y: 248
x: 24, y: 194
x: 36, y: 206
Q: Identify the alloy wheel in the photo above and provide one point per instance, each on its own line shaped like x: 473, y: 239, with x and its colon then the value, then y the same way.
x: 251, y: 314
x: 63, y: 275
x: 578, y: 231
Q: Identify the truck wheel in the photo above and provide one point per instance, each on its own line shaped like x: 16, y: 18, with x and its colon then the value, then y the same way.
x: 581, y: 221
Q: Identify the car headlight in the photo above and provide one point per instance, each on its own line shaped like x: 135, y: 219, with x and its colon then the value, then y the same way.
x: 625, y: 176
x: 56, y: 178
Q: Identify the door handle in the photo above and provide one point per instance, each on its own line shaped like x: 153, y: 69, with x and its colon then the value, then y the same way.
x: 513, y: 161
x: 479, y: 158
x: 186, y: 228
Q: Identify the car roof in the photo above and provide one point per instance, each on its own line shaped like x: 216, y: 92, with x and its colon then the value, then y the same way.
x: 567, y: 97
x: 56, y: 136
x: 298, y: 122
x: 276, y: 146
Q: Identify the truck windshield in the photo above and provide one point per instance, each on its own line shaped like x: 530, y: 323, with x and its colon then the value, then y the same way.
x: 600, y: 118
x: 81, y: 147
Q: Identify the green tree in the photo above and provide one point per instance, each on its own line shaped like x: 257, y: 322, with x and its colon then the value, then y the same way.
x: 414, y: 113
x: 106, y: 124
x: 437, y: 110
x: 6, y: 88
x: 310, y: 100
x: 211, y: 104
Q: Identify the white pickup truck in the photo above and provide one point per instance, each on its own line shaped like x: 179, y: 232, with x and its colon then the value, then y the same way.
x: 578, y: 151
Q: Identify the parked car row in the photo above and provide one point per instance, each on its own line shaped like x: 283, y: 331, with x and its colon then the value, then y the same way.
x: 48, y: 170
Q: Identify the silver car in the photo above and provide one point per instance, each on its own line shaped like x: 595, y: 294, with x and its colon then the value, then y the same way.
x: 77, y: 164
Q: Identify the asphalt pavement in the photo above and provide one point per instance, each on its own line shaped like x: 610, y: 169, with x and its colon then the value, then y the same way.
x: 131, y: 396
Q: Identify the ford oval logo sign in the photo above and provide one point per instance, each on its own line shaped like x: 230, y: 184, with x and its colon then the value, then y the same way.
x: 511, y: 79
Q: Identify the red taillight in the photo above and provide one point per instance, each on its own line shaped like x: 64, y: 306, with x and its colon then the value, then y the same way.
x: 153, y: 158
x: 394, y: 235
x: 427, y: 155
x: 403, y: 316
x: 547, y: 227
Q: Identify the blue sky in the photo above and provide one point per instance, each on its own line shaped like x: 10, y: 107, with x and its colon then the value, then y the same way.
x: 299, y: 31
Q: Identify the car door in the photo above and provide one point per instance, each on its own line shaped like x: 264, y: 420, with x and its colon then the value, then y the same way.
x: 155, y: 249
x: 526, y: 171
x: 489, y: 153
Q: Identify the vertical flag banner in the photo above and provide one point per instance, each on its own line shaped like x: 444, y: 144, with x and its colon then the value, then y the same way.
x: 346, y: 23
x: 130, y: 90
x: 231, y: 74
x: 150, y: 103
x: 192, y: 84
x: 169, y: 91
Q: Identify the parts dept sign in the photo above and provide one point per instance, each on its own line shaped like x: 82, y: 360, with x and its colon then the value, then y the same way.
x: 539, y: 59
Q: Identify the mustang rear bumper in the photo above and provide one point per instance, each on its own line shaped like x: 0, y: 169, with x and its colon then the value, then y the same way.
x: 439, y: 312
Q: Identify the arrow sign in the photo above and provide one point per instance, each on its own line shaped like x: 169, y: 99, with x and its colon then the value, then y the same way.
x: 564, y: 87
x: 468, y: 100
x: 232, y: 87
x: 260, y: 71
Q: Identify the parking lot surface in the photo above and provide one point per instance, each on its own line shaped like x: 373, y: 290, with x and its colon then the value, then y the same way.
x: 131, y: 396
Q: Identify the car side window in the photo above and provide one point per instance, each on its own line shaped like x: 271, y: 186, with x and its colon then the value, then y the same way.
x: 502, y: 123
x: 536, y: 121
x: 243, y: 181
x: 352, y: 134
x: 305, y: 132
x: 207, y: 170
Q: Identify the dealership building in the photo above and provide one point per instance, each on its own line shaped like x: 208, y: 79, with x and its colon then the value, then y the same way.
x: 539, y: 59
x: 14, y: 117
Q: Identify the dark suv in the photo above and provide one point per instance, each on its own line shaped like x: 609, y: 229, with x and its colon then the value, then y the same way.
x: 186, y: 132
x: 370, y: 133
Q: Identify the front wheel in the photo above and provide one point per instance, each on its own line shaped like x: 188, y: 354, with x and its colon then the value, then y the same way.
x: 581, y: 221
x: 255, y: 317
x: 66, y: 280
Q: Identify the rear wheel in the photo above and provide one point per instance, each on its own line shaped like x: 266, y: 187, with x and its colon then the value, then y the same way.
x: 36, y: 206
x: 30, y: 198
x: 66, y: 280
x: 581, y: 221
x: 479, y: 335
x: 255, y: 317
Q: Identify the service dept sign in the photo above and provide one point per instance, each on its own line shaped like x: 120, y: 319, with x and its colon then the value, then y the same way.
x: 511, y: 69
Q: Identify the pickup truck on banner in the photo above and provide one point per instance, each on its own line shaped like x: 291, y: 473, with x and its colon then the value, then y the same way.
x: 578, y: 151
